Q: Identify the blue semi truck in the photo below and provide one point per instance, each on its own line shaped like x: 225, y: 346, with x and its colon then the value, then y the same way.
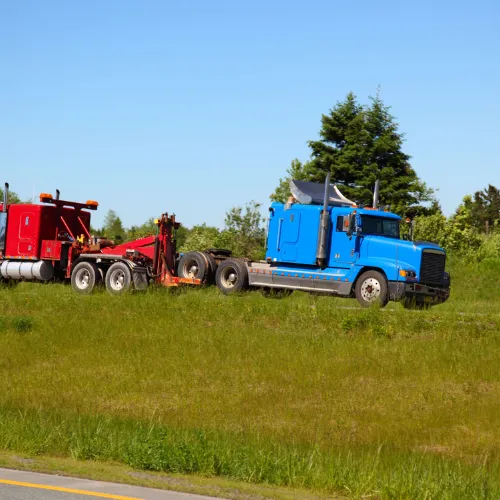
x: 322, y: 242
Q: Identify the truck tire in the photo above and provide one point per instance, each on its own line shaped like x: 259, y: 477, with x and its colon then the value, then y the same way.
x: 84, y: 277
x: 371, y: 288
x: 231, y: 276
x: 118, y: 278
x: 194, y: 265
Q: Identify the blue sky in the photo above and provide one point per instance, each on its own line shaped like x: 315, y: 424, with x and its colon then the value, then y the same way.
x: 194, y: 107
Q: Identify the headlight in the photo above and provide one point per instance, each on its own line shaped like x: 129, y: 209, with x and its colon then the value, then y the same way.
x: 407, y: 273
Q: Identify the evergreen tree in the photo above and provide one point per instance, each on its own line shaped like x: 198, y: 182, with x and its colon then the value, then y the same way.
x: 358, y: 145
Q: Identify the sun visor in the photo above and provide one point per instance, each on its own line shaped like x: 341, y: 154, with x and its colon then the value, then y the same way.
x: 312, y: 193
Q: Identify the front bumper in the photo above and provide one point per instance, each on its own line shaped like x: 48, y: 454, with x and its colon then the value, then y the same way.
x: 399, y: 290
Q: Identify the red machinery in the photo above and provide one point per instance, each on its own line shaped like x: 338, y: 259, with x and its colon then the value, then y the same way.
x: 52, y: 241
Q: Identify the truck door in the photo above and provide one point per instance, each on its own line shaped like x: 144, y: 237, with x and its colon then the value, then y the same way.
x: 27, y: 234
x: 343, y: 249
x: 289, y: 236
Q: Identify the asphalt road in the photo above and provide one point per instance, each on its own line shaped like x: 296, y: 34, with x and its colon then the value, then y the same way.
x: 22, y: 485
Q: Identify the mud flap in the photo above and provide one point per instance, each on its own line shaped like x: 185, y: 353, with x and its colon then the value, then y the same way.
x: 140, y: 278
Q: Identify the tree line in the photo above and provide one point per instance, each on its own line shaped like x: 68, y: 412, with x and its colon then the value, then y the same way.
x: 357, y: 145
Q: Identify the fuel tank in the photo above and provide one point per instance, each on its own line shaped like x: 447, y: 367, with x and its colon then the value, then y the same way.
x: 40, y: 270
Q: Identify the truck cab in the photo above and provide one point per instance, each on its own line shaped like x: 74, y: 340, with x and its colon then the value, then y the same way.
x: 339, y: 248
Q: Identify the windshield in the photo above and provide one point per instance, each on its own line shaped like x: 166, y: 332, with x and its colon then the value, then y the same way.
x: 380, y: 225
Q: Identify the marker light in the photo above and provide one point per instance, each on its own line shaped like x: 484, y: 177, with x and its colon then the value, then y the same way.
x: 45, y: 196
x: 92, y: 203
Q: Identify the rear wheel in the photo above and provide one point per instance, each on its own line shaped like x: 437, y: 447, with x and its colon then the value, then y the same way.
x: 84, y: 277
x: 118, y: 278
x: 371, y: 288
x: 231, y: 276
x: 193, y: 265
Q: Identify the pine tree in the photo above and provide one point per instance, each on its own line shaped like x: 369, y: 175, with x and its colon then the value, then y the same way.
x: 358, y: 145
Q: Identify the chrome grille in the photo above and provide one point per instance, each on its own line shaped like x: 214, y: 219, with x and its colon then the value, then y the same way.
x: 432, y: 268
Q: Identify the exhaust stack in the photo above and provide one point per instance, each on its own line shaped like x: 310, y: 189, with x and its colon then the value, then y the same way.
x: 324, y: 226
x: 375, y: 194
x: 5, y: 197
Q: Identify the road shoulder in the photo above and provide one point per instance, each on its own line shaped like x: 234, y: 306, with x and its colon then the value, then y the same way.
x: 118, y: 473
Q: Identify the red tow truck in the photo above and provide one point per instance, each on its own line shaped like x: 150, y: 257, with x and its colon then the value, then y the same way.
x: 51, y: 241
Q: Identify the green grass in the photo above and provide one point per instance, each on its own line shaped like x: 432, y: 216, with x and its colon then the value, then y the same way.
x: 306, y: 391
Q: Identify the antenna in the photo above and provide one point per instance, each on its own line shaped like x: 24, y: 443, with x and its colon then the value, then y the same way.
x: 33, y: 197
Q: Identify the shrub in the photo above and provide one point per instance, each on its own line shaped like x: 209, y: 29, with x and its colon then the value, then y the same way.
x: 22, y: 324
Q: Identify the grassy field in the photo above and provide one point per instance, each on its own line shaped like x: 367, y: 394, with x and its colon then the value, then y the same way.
x: 308, y: 392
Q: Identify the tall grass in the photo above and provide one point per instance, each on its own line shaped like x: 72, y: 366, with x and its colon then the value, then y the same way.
x: 305, y: 391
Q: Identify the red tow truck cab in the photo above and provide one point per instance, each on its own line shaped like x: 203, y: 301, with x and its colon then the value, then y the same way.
x: 39, y: 231
x: 39, y: 242
x: 52, y: 241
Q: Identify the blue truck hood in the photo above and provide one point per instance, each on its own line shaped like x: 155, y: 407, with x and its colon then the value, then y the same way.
x: 393, y: 254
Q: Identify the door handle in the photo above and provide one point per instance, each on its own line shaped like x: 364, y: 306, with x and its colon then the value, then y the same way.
x: 280, y: 224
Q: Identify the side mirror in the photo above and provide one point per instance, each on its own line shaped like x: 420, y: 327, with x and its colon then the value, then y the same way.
x: 351, y: 224
x: 411, y: 224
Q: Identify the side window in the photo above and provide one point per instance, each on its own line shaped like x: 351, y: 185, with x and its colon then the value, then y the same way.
x: 342, y: 223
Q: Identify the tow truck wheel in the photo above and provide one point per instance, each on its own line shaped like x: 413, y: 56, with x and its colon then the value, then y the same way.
x: 193, y: 265
x: 85, y: 277
x: 231, y: 276
x: 371, y: 288
x: 118, y: 278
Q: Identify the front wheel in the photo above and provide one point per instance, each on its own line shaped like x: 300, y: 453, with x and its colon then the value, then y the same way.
x: 231, y: 276
x: 118, y: 278
x: 371, y: 288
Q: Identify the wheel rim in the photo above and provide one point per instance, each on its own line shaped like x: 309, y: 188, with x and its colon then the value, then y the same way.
x: 117, y: 280
x: 370, y: 290
x: 190, y: 269
x: 229, y: 276
x: 82, y: 279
